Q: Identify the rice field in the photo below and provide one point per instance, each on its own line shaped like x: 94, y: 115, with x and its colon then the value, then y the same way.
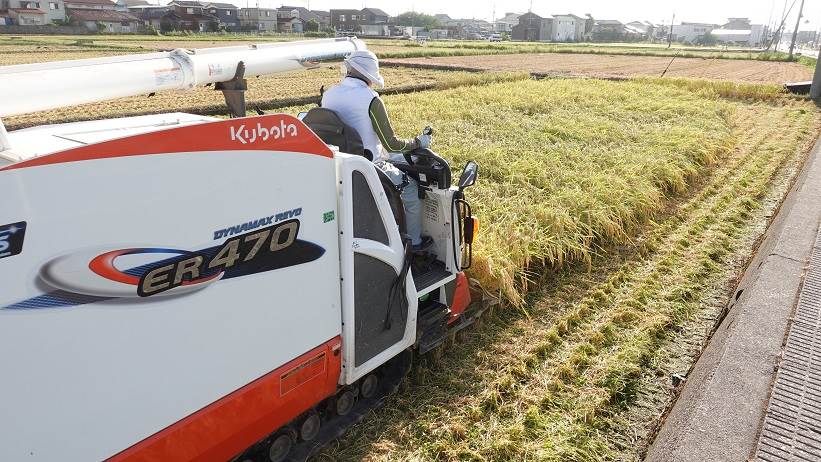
x: 567, y: 166
x: 614, y: 217
x: 583, y: 371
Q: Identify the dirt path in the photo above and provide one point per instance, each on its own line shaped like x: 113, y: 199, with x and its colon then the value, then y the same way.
x: 627, y: 66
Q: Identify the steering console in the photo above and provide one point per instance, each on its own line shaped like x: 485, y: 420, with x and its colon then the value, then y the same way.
x: 427, y: 168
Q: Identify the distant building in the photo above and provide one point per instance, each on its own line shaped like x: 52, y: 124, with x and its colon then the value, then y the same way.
x: 226, y: 13
x: 161, y: 18
x: 568, y: 28
x: 193, y: 16
x: 691, y: 32
x: 740, y: 31
x: 608, y: 30
x: 644, y: 28
x: 90, y: 5
x: 324, y: 19
x: 533, y: 28
x: 258, y: 19
x: 32, y: 13
x: 373, y: 16
x: 345, y: 20
x: 105, y: 20
x: 506, y: 23
x: 124, y: 5
x: 27, y: 16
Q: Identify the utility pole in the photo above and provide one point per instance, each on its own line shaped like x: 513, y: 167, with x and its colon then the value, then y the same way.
x: 670, y: 35
x: 795, y: 32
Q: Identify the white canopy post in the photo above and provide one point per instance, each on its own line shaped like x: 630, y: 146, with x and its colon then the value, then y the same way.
x: 5, y: 145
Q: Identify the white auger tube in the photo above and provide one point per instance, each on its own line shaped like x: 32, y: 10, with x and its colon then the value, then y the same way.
x: 29, y: 88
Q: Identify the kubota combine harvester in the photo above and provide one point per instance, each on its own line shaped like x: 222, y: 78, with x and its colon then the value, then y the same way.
x: 178, y: 287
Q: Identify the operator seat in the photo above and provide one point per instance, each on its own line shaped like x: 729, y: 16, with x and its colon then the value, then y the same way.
x: 330, y: 128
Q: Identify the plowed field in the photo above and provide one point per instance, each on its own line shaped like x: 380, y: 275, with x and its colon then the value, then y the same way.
x: 628, y: 66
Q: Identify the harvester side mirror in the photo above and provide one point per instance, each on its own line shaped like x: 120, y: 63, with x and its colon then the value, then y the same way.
x: 469, y: 174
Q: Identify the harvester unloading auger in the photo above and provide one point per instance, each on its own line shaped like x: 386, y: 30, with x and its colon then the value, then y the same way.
x: 178, y: 287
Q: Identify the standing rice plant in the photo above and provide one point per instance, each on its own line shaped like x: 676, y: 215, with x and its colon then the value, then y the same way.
x: 566, y: 167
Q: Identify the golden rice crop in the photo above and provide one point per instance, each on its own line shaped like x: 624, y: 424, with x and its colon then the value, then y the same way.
x: 565, y: 166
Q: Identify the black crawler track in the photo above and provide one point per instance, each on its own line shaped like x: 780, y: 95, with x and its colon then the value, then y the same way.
x: 390, y: 376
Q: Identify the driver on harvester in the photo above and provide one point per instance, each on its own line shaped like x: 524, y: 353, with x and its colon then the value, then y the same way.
x: 361, y: 108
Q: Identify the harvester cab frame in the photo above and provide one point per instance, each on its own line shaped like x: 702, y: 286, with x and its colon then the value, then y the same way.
x: 234, y: 289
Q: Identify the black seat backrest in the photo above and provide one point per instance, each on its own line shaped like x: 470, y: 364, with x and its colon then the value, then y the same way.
x: 330, y: 128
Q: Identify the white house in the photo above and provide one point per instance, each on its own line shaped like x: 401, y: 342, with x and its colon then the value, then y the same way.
x: 506, y: 23
x: 753, y: 36
x: 568, y: 28
x: 690, y: 32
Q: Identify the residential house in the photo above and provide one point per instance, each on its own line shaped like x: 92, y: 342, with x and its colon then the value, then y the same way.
x: 27, y: 16
x: 737, y: 23
x: 37, y: 12
x: 104, y: 20
x: 476, y: 28
x: 258, y: 19
x: 292, y: 19
x: 161, y: 18
x: 645, y: 29
x: 753, y: 36
x: 533, y: 28
x: 568, y: 28
x: 608, y: 30
x: 345, y: 20
x: 124, y: 5
x: 90, y: 5
x: 740, y: 31
x: 410, y: 31
x: 226, y: 13
x: 691, y: 32
x: 288, y: 23
x: 194, y: 17
x: 506, y: 23
x: 439, y: 34
x: 373, y: 16
x: 375, y: 30
x: 324, y: 19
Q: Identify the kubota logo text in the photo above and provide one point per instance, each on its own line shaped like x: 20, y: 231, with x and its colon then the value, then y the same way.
x: 250, y: 135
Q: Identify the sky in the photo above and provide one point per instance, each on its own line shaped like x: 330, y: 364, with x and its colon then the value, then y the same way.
x: 656, y: 11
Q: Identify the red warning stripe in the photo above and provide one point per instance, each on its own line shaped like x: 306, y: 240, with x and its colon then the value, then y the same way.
x: 228, y: 426
x: 273, y: 132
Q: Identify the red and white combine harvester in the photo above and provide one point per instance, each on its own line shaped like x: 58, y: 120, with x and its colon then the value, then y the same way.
x: 177, y: 287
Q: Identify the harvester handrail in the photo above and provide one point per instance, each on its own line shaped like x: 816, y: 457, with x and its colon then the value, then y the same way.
x: 28, y: 88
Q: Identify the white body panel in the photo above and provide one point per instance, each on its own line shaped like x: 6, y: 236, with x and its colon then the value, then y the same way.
x: 83, y: 382
x: 392, y: 255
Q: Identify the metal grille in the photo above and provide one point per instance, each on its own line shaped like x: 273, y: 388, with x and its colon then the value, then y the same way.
x: 792, y: 426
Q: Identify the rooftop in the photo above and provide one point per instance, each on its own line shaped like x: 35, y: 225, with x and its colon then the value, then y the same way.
x: 375, y: 11
x: 93, y: 2
x: 102, y: 15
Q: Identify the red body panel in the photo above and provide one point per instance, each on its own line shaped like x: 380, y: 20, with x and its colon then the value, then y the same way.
x: 248, y: 133
x: 228, y: 426
x: 461, y: 297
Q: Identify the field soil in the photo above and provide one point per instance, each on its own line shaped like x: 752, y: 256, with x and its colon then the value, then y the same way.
x: 596, y: 65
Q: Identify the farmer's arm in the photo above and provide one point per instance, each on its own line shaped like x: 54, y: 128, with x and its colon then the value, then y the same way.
x: 383, y: 129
